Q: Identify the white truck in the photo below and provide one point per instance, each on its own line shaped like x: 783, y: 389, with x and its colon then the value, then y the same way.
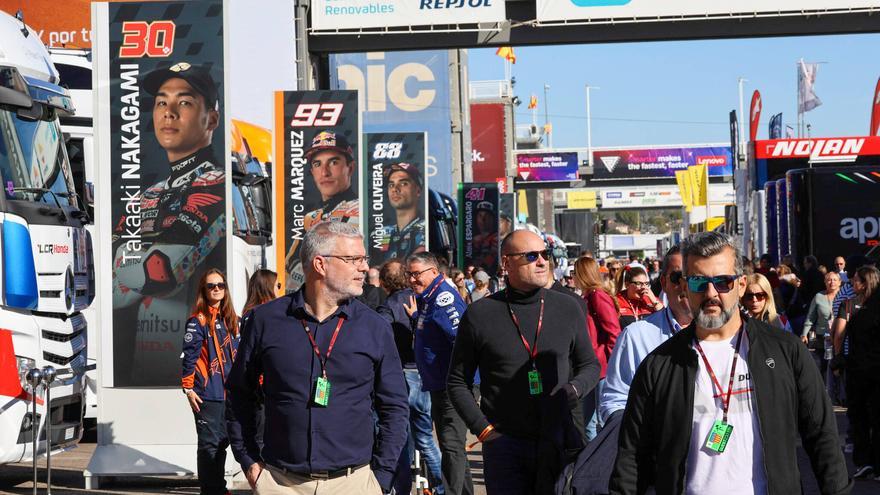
x: 46, y: 264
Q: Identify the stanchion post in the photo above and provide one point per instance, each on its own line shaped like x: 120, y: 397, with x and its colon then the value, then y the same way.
x: 34, y: 378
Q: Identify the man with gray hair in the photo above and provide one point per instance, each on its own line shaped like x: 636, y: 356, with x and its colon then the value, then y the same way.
x: 725, y: 398
x: 326, y: 363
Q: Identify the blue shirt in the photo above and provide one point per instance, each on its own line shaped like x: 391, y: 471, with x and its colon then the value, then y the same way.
x: 439, y: 313
x: 633, y: 345
x: 364, y: 373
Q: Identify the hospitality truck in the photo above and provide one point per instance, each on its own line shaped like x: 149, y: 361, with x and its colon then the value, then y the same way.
x: 46, y: 265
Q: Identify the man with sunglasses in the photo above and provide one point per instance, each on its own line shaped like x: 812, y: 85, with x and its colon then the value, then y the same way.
x: 329, y: 365
x: 717, y: 408
x: 536, y: 363
x: 437, y: 309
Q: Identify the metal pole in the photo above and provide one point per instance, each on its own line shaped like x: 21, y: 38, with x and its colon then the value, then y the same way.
x: 34, y: 377
x: 587, y: 87
x: 547, y: 113
x: 742, y: 142
x: 49, y: 375
x: 304, y: 62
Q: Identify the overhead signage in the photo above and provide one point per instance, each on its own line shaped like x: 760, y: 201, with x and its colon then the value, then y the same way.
x: 357, y: 14
x: 636, y: 10
x: 659, y: 197
x: 547, y: 166
x: 659, y: 163
x: 845, y: 149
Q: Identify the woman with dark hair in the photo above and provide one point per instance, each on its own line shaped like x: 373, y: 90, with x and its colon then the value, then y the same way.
x: 262, y: 288
x: 209, y: 347
x: 634, y: 297
x: 859, y: 318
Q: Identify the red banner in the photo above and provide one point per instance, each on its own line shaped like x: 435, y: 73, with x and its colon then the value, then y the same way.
x: 875, y: 112
x: 819, y: 149
x: 754, y: 115
x: 489, y: 160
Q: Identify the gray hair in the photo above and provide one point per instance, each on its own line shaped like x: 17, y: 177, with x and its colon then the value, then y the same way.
x: 321, y: 239
x: 424, y: 258
x: 706, y: 244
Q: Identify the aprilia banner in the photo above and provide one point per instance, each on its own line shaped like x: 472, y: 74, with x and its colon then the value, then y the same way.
x: 317, y: 136
x: 659, y: 163
x: 396, y: 192
x: 167, y: 171
x: 479, y: 206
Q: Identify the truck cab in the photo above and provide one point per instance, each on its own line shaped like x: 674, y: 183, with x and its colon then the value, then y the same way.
x: 46, y: 262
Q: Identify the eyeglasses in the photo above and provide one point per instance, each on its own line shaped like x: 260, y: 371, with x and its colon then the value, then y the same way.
x: 675, y: 277
x: 722, y: 283
x: 409, y: 275
x: 641, y: 284
x: 354, y: 260
x: 758, y: 296
x: 532, y: 256
x: 211, y: 286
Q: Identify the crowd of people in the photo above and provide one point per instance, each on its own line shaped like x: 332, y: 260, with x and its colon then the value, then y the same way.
x: 622, y: 374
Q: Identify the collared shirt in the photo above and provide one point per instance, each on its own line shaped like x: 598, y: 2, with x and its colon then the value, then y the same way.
x: 633, y: 345
x: 364, y: 372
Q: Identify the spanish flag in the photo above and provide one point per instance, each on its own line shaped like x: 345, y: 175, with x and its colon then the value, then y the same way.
x: 533, y: 102
x: 506, y: 52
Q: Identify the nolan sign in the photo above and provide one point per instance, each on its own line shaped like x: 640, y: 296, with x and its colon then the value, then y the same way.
x: 820, y: 149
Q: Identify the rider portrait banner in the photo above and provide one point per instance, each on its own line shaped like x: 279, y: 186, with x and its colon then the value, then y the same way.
x: 317, y: 140
x: 479, y: 219
x: 396, y: 199
x: 168, y: 179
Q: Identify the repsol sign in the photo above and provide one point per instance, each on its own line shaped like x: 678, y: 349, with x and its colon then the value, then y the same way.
x: 865, y: 229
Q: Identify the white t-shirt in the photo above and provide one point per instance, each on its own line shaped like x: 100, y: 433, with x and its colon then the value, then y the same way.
x: 740, y: 468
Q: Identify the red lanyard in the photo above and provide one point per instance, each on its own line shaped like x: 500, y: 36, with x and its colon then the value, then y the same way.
x: 323, y: 359
x: 725, y: 402
x: 533, y: 351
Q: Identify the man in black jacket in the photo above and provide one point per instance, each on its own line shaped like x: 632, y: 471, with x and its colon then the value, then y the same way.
x: 717, y: 407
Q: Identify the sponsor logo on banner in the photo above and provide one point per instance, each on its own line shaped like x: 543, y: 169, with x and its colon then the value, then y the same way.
x: 610, y: 162
x: 357, y: 14
x: 819, y: 149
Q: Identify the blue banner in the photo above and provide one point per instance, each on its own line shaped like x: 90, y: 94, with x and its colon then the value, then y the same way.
x: 404, y: 92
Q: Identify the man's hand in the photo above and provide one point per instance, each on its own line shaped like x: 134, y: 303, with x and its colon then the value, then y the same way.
x: 194, y: 401
x: 805, y: 339
x: 411, y: 307
x: 253, y: 473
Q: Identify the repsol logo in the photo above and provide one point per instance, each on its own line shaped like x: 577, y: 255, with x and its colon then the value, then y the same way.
x: 53, y: 249
x: 865, y: 229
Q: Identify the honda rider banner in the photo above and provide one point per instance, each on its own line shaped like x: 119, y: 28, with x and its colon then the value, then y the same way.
x: 316, y: 135
x: 489, y: 160
x: 396, y: 195
x: 168, y: 198
x: 659, y: 163
x: 479, y: 206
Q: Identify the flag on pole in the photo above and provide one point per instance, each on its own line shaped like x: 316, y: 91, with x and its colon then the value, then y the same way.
x: 807, y: 99
x: 875, y: 112
x: 776, y: 126
x: 754, y: 115
x: 506, y: 52
x: 533, y: 102
x: 789, y: 132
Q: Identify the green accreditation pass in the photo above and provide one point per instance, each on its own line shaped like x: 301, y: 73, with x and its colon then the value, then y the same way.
x: 535, y: 385
x: 719, y: 435
x: 322, y: 391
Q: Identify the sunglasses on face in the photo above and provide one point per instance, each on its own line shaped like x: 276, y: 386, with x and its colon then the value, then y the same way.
x: 758, y: 296
x: 531, y: 256
x: 722, y: 283
x: 675, y: 277
x: 219, y: 285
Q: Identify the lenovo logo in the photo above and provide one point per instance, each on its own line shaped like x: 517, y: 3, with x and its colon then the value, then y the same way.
x: 817, y: 149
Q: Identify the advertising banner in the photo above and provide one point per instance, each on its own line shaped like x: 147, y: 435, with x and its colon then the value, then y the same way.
x: 661, y: 197
x: 875, y: 112
x: 317, y: 135
x: 754, y: 115
x: 635, y: 10
x: 547, y: 166
x: 59, y: 24
x: 581, y: 200
x: 819, y: 149
x: 489, y: 160
x: 405, y: 92
x: 395, y: 195
x: 659, y: 163
x: 479, y: 206
x: 357, y: 14
x: 167, y: 175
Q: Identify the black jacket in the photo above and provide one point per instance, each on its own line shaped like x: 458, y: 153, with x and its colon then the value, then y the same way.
x: 790, y: 400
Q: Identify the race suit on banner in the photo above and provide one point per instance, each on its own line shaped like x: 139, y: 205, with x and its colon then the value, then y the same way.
x: 317, y: 135
x: 168, y: 198
x: 479, y: 226
x: 396, y: 195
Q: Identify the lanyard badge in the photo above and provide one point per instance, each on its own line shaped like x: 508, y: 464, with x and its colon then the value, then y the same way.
x: 536, y: 386
x: 719, y: 435
x: 322, y: 384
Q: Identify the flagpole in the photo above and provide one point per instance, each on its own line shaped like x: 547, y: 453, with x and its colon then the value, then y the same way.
x: 587, y: 88
x: 742, y: 141
x: 547, y: 113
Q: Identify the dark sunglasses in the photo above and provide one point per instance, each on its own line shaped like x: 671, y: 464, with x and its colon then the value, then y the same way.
x: 532, y: 256
x: 220, y: 285
x: 675, y: 277
x: 758, y: 296
x: 722, y: 283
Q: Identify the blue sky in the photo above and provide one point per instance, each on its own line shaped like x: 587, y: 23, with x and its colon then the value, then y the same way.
x: 695, y: 82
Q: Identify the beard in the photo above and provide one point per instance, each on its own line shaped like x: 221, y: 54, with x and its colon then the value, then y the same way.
x: 341, y: 290
x: 710, y: 322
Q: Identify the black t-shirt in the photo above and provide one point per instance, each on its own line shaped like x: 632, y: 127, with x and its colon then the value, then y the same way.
x: 863, y: 332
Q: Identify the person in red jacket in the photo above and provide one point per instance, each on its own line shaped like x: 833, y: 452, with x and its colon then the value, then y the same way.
x: 634, y: 297
x: 603, y: 326
x: 209, y: 347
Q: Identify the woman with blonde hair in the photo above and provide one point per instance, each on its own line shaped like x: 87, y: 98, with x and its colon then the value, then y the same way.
x: 758, y: 302
x: 602, y: 324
